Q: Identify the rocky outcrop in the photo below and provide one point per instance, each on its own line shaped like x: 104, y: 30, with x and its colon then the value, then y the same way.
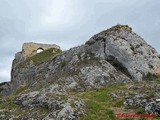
x: 111, y: 56
x: 127, y: 50
x: 116, y: 55
x: 143, y: 95
x: 61, y: 105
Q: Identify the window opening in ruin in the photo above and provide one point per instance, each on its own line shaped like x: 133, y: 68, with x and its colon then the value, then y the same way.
x: 39, y: 50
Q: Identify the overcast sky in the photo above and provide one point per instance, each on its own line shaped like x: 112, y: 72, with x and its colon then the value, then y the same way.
x: 70, y: 23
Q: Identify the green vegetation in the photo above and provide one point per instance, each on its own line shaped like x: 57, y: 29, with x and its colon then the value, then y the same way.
x: 10, y: 108
x: 39, y: 58
x: 8, y: 104
x: 44, y: 56
x: 88, y: 43
x: 118, y: 102
x: 72, y: 103
x: 2, y: 105
x: 63, y: 64
x: 21, y: 89
x: 140, y: 110
x: 99, y: 105
x: 150, y: 94
x: 110, y: 114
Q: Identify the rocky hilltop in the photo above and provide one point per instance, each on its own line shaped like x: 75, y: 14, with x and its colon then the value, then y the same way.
x: 52, y: 84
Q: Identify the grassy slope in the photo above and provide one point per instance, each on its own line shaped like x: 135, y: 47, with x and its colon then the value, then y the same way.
x: 100, y: 106
x: 39, y: 58
x: 8, y: 106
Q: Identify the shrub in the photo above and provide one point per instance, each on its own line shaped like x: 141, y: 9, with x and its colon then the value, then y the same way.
x: 140, y: 110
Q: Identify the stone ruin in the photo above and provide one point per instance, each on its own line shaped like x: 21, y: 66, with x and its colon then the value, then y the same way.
x: 30, y: 49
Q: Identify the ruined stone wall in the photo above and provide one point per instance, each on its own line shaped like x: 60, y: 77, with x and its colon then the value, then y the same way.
x: 30, y: 49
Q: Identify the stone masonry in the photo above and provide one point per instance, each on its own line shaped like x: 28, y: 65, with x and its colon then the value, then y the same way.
x: 30, y: 49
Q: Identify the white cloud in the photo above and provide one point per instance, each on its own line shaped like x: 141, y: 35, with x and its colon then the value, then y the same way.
x: 56, y: 15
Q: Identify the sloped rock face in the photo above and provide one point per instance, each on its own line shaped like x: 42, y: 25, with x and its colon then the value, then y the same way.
x: 116, y: 55
x: 127, y: 50
x: 111, y: 56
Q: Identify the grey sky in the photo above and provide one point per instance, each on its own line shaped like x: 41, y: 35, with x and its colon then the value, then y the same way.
x: 70, y: 23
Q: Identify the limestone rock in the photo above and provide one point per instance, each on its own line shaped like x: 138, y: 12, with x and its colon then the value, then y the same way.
x: 116, y: 55
x: 111, y: 56
x: 122, y: 47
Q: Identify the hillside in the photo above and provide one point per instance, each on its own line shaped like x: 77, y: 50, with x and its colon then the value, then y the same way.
x: 114, y: 72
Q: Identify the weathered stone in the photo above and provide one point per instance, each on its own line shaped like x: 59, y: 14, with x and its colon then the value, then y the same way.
x: 127, y: 50
x: 116, y: 55
x: 30, y: 49
x: 153, y: 108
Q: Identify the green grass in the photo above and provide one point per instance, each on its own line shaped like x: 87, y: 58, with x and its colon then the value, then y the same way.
x: 3, y: 105
x: 21, y: 89
x: 8, y: 105
x: 118, y: 103
x: 72, y: 103
x: 140, y: 110
x: 110, y: 114
x: 44, y: 56
x: 11, y: 108
x: 40, y: 58
x: 99, y: 104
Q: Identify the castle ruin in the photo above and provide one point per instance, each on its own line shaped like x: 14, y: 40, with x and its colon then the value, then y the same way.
x: 30, y: 49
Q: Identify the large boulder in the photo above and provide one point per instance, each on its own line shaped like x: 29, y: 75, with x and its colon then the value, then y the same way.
x: 126, y: 50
